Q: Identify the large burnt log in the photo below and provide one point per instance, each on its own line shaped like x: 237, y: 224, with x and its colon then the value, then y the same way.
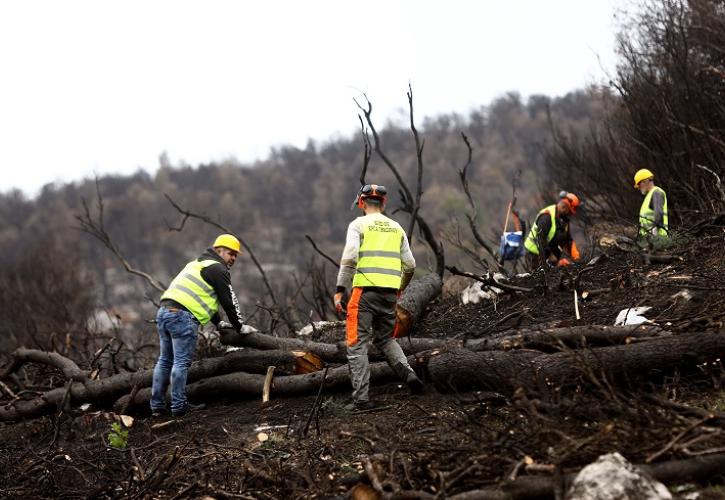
x: 106, y: 390
x: 462, y: 370
x: 415, y: 299
x: 246, y: 385
x: 336, y: 353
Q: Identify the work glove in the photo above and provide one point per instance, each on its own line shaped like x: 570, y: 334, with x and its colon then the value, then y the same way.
x: 574, y: 251
x: 224, y: 325
x: 340, y: 302
x: 563, y: 262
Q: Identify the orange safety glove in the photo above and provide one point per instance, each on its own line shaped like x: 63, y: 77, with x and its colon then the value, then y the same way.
x: 563, y: 262
x: 339, y: 306
x: 574, y: 251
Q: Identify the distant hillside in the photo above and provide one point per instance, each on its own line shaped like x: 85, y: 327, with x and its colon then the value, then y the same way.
x: 273, y: 203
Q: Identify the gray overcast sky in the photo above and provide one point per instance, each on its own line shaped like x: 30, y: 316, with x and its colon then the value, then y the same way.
x: 100, y: 86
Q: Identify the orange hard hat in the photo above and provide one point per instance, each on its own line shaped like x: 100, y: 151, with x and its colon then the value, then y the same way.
x: 572, y: 200
x: 374, y: 191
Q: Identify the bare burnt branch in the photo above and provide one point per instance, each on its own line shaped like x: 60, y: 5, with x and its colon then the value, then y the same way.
x: 188, y: 214
x: 95, y: 227
x: 407, y: 197
x: 419, y: 145
x: 282, y: 312
x: 367, y: 150
x: 472, y: 216
x: 323, y: 254
x: 489, y: 280
x: 409, y: 201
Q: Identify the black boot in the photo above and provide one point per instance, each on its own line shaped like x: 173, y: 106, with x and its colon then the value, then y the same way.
x: 407, y: 375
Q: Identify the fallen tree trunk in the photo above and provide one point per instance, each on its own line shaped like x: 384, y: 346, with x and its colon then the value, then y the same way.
x: 335, y: 353
x: 110, y: 388
x: 462, y: 370
x: 415, y: 299
x: 699, y: 470
x: 572, y: 337
x: 251, y: 385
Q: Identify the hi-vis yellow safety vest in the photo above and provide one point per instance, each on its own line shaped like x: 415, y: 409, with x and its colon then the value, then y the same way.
x: 647, y: 215
x: 531, y: 243
x: 379, y: 262
x: 191, y: 291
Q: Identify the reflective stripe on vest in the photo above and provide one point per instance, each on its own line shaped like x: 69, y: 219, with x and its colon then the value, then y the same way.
x: 647, y: 215
x: 191, y: 291
x: 531, y: 242
x: 379, y: 262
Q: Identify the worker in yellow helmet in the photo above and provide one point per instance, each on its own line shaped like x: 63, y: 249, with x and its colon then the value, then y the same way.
x: 192, y: 300
x: 653, y: 215
x: 550, y: 235
x: 378, y: 263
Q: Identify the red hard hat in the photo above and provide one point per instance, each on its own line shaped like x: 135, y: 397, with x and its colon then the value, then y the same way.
x: 572, y: 200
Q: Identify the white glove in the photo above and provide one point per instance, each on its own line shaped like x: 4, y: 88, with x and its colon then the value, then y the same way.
x: 224, y: 325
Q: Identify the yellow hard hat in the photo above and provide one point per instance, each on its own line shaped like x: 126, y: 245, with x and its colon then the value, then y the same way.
x: 641, y: 175
x: 227, y: 241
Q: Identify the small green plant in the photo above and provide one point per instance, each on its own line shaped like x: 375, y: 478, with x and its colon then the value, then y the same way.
x: 118, y: 437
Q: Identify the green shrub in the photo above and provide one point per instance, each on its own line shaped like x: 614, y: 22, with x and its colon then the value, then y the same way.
x: 118, y: 437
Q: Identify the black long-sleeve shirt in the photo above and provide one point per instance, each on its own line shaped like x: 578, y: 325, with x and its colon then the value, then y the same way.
x: 562, y: 236
x: 218, y: 277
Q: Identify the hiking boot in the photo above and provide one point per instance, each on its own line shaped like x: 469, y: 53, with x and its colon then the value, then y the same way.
x: 187, y: 409
x: 361, y: 405
x: 163, y: 412
x: 415, y: 385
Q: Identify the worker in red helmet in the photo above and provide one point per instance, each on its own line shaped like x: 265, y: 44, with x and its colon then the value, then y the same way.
x: 550, y: 236
x: 378, y: 264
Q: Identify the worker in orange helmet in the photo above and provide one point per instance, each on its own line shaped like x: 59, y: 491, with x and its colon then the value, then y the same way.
x: 377, y: 265
x: 550, y: 236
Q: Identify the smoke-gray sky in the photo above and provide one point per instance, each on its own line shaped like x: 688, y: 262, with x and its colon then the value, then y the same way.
x: 97, y: 86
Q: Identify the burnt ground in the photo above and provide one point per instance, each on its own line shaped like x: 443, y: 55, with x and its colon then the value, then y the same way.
x: 413, y: 446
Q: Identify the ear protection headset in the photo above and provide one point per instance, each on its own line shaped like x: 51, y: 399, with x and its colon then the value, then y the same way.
x: 371, y: 191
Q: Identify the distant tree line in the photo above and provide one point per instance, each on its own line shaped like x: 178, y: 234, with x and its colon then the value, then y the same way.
x: 275, y: 202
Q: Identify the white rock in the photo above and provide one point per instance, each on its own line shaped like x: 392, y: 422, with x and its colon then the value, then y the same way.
x: 684, y: 293
x: 612, y: 477
x: 476, y: 292
x: 632, y: 316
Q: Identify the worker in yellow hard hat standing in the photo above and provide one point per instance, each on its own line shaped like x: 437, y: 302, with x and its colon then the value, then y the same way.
x: 653, y: 215
x: 378, y: 263
x: 192, y: 300
x: 550, y: 236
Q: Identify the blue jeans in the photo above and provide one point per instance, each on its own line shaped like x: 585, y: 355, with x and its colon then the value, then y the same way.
x: 177, y: 341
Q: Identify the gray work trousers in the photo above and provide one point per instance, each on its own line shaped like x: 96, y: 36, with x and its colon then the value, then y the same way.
x: 371, y: 319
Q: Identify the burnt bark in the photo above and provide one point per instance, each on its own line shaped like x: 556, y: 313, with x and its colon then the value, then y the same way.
x: 110, y: 388
x: 247, y: 385
x: 336, y: 353
x: 415, y: 299
x: 699, y: 470
x: 461, y: 370
x: 573, y: 337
